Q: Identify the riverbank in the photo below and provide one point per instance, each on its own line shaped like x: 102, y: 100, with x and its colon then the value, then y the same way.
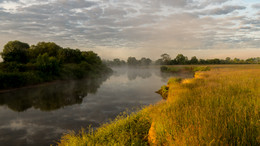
x: 216, y: 107
x: 107, y: 74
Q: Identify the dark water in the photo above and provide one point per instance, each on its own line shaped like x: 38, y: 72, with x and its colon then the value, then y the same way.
x: 39, y: 115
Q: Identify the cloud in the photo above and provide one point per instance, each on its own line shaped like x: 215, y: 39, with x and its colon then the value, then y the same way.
x: 132, y: 25
x: 256, y: 6
x: 223, y: 11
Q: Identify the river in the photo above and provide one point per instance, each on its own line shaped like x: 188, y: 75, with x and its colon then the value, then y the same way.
x: 40, y: 115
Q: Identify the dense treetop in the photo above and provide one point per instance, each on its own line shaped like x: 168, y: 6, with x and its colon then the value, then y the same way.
x: 46, y: 61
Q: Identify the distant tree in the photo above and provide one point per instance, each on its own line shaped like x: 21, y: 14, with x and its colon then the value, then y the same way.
x: 145, y: 61
x: 181, y: 59
x: 159, y: 62
x: 236, y: 60
x: 202, y: 61
x: 194, y: 60
x: 165, y: 58
x: 228, y: 60
x: 15, y: 51
x: 117, y: 62
x: 132, y: 61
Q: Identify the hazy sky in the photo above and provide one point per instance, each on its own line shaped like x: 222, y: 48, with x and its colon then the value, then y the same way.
x: 122, y: 28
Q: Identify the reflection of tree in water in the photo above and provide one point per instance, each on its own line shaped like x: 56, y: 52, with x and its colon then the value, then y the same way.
x: 133, y: 73
x: 118, y: 71
x: 52, y: 96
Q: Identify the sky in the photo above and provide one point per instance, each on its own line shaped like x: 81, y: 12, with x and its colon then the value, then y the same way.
x: 139, y: 28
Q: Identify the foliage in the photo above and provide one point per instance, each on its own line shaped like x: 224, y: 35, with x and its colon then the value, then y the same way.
x: 145, y: 61
x: 194, y: 60
x: 68, y: 55
x: 115, y: 62
x: 180, y: 59
x: 46, y: 61
x: 48, y: 65
x: 165, y: 58
x: 132, y: 61
x: 15, y: 51
x: 41, y: 48
x: 18, y: 79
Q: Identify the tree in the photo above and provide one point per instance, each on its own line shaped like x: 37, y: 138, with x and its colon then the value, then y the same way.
x: 159, y: 62
x: 228, y: 60
x: 145, y: 61
x: 117, y: 62
x: 48, y: 65
x: 68, y: 55
x: 194, y: 60
x: 91, y: 57
x: 15, y: 51
x: 50, y: 48
x: 181, y: 59
x: 132, y: 61
x: 202, y: 61
x: 166, y: 58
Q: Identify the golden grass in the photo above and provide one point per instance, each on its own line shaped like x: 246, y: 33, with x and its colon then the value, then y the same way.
x: 218, y: 107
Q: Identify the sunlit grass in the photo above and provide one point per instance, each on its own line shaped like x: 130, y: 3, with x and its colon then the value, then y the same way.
x: 218, y: 107
x: 124, y: 130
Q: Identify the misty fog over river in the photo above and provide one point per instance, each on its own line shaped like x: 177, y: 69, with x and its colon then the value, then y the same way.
x: 40, y: 115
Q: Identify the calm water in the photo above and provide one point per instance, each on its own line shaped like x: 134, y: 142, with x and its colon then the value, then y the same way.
x: 39, y: 115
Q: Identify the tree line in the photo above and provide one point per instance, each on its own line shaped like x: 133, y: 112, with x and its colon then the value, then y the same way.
x: 180, y: 59
x: 131, y: 61
x: 46, y: 61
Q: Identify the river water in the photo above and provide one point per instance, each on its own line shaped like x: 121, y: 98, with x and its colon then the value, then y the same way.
x: 40, y: 115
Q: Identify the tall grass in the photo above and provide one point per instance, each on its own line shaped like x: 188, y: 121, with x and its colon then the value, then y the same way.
x: 124, y: 130
x: 219, y: 107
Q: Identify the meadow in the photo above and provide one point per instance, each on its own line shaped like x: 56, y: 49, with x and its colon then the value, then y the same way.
x: 216, y: 107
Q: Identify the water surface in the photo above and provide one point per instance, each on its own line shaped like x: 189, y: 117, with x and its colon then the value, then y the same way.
x: 39, y: 115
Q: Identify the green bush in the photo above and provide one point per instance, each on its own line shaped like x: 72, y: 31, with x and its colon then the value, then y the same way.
x: 18, y: 79
x: 163, y: 91
x: 46, y: 61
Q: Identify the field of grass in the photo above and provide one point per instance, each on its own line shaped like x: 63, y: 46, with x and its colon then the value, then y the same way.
x: 217, y: 107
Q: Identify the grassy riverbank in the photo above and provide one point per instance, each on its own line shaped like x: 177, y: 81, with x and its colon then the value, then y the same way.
x: 218, y: 107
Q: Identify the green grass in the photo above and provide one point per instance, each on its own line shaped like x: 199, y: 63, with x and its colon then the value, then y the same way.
x: 184, y: 68
x: 218, y: 107
x: 124, y: 130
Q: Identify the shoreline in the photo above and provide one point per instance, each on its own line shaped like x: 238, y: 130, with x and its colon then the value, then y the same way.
x: 33, y: 86
x: 192, y: 106
x: 51, y: 83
